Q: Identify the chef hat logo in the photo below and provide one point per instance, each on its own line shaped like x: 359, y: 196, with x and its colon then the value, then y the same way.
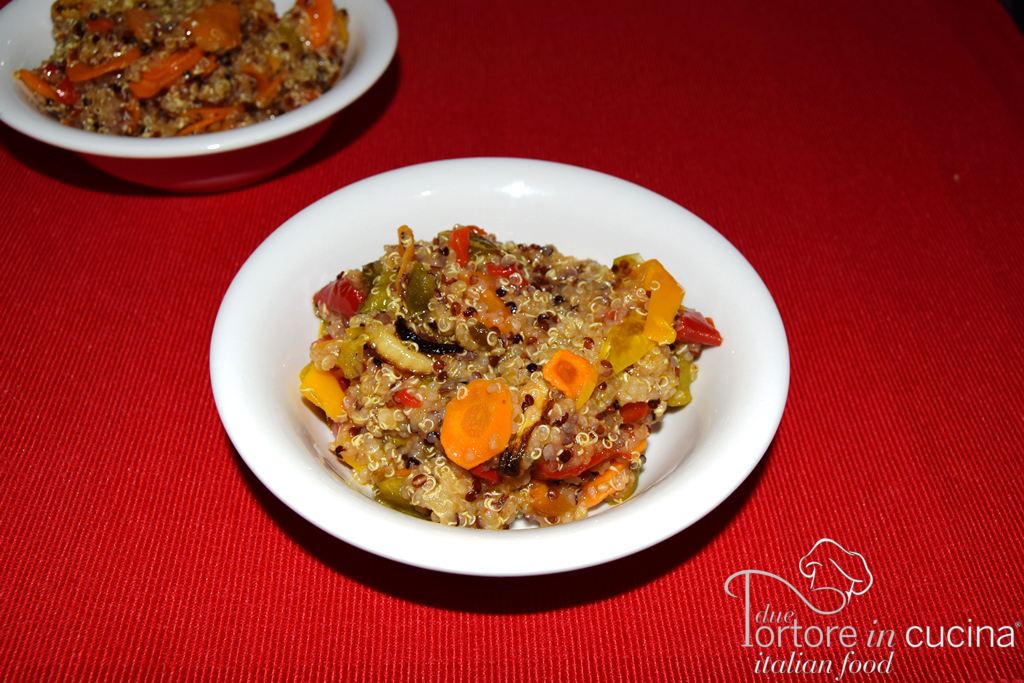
x: 830, y: 567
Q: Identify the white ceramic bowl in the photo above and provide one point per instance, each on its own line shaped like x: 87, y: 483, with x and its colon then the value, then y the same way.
x: 698, y: 456
x: 209, y: 162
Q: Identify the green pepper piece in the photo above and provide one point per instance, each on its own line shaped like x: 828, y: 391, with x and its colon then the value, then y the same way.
x: 478, y: 244
x: 682, y: 395
x: 380, y: 294
x: 389, y: 494
x: 624, y: 494
x: 626, y: 265
x: 351, y: 358
x: 421, y: 288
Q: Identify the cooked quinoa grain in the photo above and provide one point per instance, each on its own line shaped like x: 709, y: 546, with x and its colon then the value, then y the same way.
x: 476, y: 383
x: 161, y: 68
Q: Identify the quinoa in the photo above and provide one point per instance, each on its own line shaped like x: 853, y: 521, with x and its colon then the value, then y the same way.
x: 160, y: 68
x: 476, y: 383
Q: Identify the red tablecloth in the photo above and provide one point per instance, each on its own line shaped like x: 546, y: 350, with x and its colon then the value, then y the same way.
x: 867, y: 157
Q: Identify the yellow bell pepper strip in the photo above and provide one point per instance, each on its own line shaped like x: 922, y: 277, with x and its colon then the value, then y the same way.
x: 80, y: 71
x: 573, y: 375
x: 160, y: 75
x: 324, y: 390
x: 626, y: 343
x: 666, y: 296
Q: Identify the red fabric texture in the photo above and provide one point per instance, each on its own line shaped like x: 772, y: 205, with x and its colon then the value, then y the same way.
x: 867, y: 157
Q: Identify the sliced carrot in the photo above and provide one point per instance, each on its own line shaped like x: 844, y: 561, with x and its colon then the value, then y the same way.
x: 79, y: 71
x: 160, y: 75
x: 490, y: 310
x: 320, y: 14
x: 134, y: 113
x: 266, y: 94
x: 216, y: 27
x: 261, y: 80
x: 601, y: 487
x: 139, y: 22
x: 573, y: 375
x: 477, y: 423
x: 207, y: 117
x: 99, y: 25
x: 37, y: 84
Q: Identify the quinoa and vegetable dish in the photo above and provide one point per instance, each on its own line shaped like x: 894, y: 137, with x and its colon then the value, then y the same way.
x: 475, y: 382
x: 162, y: 68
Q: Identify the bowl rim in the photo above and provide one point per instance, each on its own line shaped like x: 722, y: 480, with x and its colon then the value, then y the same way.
x: 373, y: 43
x: 482, y: 552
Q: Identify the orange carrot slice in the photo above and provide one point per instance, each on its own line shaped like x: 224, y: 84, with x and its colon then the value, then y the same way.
x: 37, y: 84
x: 207, y: 117
x: 162, y: 74
x: 601, y: 487
x: 477, y: 423
x: 320, y: 14
x: 573, y: 375
x: 216, y: 27
x: 99, y: 25
x: 79, y: 71
x: 139, y: 22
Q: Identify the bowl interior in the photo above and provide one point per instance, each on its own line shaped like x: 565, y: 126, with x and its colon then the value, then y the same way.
x: 696, y: 458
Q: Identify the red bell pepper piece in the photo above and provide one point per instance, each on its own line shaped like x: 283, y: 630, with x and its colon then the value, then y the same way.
x: 407, y: 398
x: 634, y: 412
x: 512, y: 273
x: 549, y: 470
x: 340, y: 297
x: 490, y: 475
x: 459, y: 243
x: 66, y: 92
x: 693, y: 327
